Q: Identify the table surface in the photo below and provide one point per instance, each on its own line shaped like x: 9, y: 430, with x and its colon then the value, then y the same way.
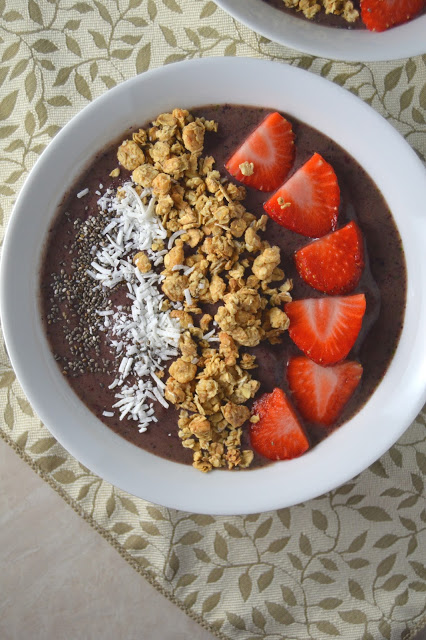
x: 66, y: 581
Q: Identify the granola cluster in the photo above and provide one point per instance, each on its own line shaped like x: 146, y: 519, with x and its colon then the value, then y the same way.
x: 310, y: 8
x: 223, y: 278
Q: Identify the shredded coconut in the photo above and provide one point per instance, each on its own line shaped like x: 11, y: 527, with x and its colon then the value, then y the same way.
x: 145, y: 337
x: 188, y: 270
x: 173, y: 237
x: 82, y: 193
x: 188, y: 297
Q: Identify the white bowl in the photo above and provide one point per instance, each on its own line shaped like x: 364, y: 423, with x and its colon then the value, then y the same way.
x: 369, y: 138
x: 328, y: 42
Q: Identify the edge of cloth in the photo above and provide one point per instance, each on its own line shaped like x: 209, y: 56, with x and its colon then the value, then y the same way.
x: 410, y: 635
x: 109, y: 538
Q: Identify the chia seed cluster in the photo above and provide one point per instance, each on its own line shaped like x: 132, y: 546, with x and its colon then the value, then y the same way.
x: 74, y: 300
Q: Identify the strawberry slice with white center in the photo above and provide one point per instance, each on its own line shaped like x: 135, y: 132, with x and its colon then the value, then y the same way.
x: 326, y: 329
x: 321, y: 393
x: 308, y: 203
x: 266, y: 156
x: 278, y: 435
x: 333, y: 264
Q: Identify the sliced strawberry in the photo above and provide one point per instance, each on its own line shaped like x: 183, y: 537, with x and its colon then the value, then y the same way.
x: 320, y: 393
x: 270, y: 148
x: 325, y: 329
x: 308, y: 202
x: 379, y: 15
x: 278, y: 435
x: 333, y: 264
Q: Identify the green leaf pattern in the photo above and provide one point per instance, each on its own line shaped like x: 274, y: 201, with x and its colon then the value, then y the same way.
x: 350, y: 563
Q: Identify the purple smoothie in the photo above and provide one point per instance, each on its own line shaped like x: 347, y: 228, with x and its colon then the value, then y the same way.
x: 383, y: 281
x: 325, y: 20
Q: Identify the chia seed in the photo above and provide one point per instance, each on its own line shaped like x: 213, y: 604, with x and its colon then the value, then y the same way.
x: 74, y: 300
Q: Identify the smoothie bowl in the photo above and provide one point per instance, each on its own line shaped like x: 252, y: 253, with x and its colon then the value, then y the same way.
x: 100, y: 175
x: 339, y: 37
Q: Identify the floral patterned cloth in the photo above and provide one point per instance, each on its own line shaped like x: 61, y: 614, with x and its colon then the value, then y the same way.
x: 350, y: 563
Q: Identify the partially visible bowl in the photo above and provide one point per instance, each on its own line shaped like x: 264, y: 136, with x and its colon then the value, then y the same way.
x: 328, y: 42
x: 383, y: 153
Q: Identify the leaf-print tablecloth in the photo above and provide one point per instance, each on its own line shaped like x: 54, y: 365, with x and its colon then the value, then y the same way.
x: 350, y: 563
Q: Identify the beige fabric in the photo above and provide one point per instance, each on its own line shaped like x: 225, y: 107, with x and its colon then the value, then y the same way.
x: 350, y: 563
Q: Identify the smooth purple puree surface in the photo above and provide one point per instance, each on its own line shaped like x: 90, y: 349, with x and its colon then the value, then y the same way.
x: 383, y: 281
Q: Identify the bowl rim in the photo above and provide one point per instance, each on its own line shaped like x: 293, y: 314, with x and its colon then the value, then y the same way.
x: 404, y: 41
x: 124, y: 464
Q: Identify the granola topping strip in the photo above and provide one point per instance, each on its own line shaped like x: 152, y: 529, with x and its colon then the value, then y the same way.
x: 224, y: 281
x: 310, y: 8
